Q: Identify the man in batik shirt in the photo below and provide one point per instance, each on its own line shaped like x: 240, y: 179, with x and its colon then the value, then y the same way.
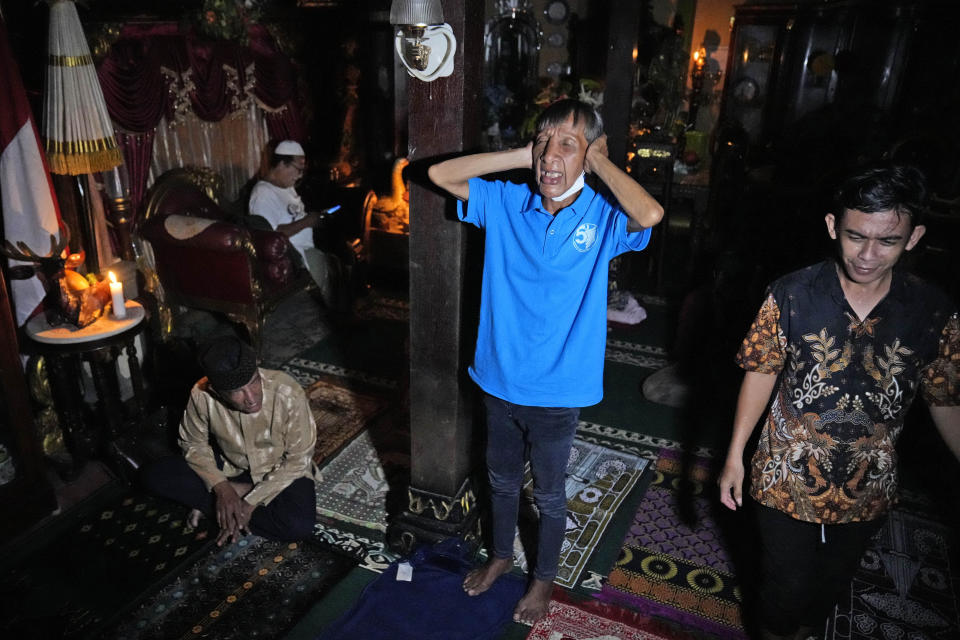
x: 247, y: 438
x: 843, y: 347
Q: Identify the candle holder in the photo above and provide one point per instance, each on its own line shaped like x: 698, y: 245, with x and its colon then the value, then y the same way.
x: 116, y: 184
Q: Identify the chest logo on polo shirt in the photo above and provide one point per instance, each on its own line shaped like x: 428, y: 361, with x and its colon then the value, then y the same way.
x: 584, y: 237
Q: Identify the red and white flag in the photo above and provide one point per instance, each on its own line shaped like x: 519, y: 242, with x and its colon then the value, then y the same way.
x: 30, y: 211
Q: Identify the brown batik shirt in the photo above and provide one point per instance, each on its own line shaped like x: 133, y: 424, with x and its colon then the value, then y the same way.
x: 826, y: 453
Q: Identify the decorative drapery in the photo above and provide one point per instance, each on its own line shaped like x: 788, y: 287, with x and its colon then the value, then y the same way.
x: 159, y: 71
x: 231, y: 147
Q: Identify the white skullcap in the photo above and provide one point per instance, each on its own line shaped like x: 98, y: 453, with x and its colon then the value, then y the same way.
x: 289, y: 148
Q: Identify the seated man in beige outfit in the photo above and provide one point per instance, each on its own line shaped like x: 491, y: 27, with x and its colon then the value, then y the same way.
x: 247, y: 437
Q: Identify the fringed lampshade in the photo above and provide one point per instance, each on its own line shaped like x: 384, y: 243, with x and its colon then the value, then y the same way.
x: 77, y: 130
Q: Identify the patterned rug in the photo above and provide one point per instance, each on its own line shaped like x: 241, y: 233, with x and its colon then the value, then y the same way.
x: 101, y: 565
x: 253, y: 588
x: 905, y: 586
x: 340, y: 413
x: 673, y: 569
x: 592, y: 620
x: 360, y: 488
x: 599, y: 481
x: 363, y: 484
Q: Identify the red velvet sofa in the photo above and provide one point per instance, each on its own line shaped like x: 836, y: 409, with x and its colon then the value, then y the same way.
x: 205, y: 261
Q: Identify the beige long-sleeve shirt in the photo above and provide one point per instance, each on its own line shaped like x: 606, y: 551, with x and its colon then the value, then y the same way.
x: 275, y: 444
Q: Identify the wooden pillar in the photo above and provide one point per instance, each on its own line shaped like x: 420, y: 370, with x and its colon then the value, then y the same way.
x: 444, y: 119
x: 621, y: 69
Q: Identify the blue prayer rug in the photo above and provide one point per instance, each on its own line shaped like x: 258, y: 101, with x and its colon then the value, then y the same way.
x: 431, y: 604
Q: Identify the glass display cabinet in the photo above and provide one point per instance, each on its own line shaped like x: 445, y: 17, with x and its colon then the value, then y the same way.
x: 790, y: 62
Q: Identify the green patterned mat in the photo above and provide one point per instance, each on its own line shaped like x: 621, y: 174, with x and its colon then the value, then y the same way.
x: 600, y: 482
x: 372, y: 352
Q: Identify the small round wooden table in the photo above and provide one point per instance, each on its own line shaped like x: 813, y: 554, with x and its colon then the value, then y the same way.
x: 65, y: 348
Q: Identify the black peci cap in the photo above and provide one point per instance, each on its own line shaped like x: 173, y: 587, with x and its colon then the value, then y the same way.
x: 228, y: 362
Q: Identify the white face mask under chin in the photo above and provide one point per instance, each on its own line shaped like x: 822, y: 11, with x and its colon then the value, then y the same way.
x: 576, y: 186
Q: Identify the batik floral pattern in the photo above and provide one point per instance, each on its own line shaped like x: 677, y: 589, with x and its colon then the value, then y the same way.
x: 827, y: 449
x: 763, y: 348
x: 940, y: 380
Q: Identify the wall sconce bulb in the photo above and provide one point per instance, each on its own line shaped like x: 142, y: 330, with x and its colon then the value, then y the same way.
x: 424, y: 43
x: 415, y: 50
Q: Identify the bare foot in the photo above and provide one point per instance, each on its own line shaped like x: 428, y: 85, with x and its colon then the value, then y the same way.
x: 480, y: 579
x: 193, y: 519
x: 535, y: 603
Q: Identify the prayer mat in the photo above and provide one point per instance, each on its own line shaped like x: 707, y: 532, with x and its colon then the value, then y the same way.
x: 599, y: 481
x: 673, y: 569
x: 905, y: 586
x: 382, y: 307
x: 421, y: 598
x: 307, y: 371
x: 252, y: 588
x: 367, y: 546
x: 366, y: 482
x: 370, y: 352
x: 659, y: 527
x: 636, y: 354
x: 593, y: 620
x: 111, y: 557
x: 340, y: 414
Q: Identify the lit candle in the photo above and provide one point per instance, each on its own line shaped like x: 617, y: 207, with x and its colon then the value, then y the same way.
x: 116, y: 295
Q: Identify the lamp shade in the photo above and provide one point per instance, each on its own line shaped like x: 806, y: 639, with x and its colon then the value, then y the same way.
x: 77, y: 129
x: 416, y: 12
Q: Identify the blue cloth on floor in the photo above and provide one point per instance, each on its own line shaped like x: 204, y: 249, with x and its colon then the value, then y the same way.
x: 433, y: 605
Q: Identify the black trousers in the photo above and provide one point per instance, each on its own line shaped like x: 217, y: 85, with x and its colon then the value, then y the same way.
x: 805, y: 567
x: 289, y: 517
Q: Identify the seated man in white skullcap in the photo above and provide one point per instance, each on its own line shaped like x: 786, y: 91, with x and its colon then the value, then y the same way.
x: 247, y: 438
x: 275, y: 199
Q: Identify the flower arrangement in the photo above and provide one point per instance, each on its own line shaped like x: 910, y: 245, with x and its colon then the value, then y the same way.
x: 228, y: 19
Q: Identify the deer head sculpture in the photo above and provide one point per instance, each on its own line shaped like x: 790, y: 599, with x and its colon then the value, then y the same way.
x: 69, y: 297
x: 47, y: 267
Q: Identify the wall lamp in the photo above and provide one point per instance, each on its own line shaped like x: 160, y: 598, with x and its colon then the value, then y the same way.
x: 424, y: 42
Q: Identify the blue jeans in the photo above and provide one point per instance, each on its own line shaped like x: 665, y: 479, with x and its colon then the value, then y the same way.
x: 543, y: 435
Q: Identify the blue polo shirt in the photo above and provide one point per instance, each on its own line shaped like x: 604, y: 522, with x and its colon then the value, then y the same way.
x: 543, y: 308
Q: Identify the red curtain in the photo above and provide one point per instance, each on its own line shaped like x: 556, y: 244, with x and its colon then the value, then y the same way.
x: 158, y: 69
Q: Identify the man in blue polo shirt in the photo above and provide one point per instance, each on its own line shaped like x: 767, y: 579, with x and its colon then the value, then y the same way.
x: 542, y: 334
